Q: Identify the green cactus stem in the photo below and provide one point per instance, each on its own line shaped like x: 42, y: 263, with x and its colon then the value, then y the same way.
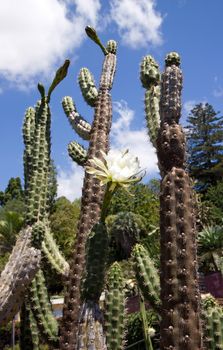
x: 92, y: 197
x: 150, y: 78
x: 41, y: 308
x: 78, y: 123
x: 147, y: 276
x: 180, y: 326
x: 87, y: 86
x: 77, y: 153
x: 29, y: 334
x: 115, y: 308
x: 97, y: 250
x: 212, y: 317
x: 19, y: 271
x: 52, y: 253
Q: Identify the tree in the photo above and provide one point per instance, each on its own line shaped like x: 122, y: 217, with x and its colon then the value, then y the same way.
x: 63, y: 222
x: 214, y: 200
x: 141, y: 200
x: 13, y: 191
x: 205, y: 147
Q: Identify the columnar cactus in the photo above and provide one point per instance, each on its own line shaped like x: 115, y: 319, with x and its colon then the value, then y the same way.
x: 147, y: 276
x: 29, y: 337
x: 23, y: 263
x: 212, y: 316
x: 92, y: 193
x: 180, y: 309
x: 115, y: 308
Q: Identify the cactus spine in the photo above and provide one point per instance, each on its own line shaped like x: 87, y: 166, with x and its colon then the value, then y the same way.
x: 115, y: 308
x: 92, y: 196
x: 180, y: 309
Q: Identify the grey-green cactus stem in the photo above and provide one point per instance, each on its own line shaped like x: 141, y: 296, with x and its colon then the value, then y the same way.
x: 150, y: 78
x: 78, y: 153
x: 90, y: 329
x: 115, y: 308
x: 92, y: 196
x: 147, y: 276
x: 180, y: 326
x: 87, y: 86
x: 18, y: 273
x: 78, y: 123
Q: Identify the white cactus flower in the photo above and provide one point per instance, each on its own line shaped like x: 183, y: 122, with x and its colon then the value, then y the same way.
x: 151, y: 332
x: 118, y: 168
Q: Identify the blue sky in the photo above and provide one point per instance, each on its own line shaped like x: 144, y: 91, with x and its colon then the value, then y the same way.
x: 36, y: 37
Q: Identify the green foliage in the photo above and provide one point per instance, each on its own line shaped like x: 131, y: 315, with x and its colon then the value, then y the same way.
x: 63, y: 222
x: 13, y: 191
x: 10, y: 226
x: 134, y: 329
x: 214, y: 199
x: 210, y: 248
x: 143, y: 200
x: 205, y: 135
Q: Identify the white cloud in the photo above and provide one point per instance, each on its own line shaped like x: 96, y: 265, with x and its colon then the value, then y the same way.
x: 218, y: 92
x: 137, y: 141
x: 138, y: 22
x: 70, y: 182
x: 188, y: 106
x: 36, y: 35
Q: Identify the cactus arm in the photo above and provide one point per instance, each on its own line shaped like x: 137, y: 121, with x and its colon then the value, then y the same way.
x: 147, y: 276
x: 180, y: 326
x: 150, y: 79
x: 115, y: 308
x: 92, y: 197
x: 17, y: 275
x: 78, y: 123
x: 87, y: 86
x: 28, y: 130
x: 77, y: 153
x: 41, y: 308
x: 53, y: 254
x: 29, y: 337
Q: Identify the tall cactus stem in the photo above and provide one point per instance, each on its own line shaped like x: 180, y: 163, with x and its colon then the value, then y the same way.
x: 92, y: 197
x: 115, y: 308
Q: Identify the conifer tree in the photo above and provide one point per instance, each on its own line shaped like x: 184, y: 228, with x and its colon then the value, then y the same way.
x: 205, y: 146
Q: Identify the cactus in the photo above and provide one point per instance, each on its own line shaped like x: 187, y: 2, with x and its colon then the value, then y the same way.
x: 115, y: 308
x: 23, y: 263
x: 180, y: 309
x: 97, y: 249
x: 146, y: 275
x: 150, y: 78
x: 29, y: 338
x: 77, y: 153
x: 92, y: 193
x: 87, y: 86
x: 78, y: 123
x: 212, y: 317
x: 41, y: 308
x: 127, y: 229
